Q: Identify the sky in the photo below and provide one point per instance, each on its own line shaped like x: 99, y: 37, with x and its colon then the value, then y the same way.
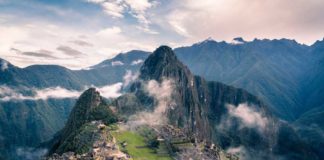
x: 80, y: 33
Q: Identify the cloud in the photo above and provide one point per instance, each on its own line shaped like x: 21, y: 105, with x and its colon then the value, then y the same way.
x: 241, y: 152
x: 136, y: 62
x: 36, y: 32
x: 248, y: 116
x: 96, y: 1
x: 69, y: 51
x: 114, y: 8
x: 82, y: 43
x: 56, y: 93
x: 109, y: 31
x: 130, y: 77
x: 136, y: 8
x: 162, y: 93
x: 3, y: 65
x: 226, y: 19
x: 12, y: 94
x: 19, y: 94
x: 40, y: 53
x: 30, y: 153
x: 117, y: 63
x: 111, y: 91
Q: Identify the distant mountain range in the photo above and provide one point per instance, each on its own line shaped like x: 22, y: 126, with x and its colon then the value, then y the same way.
x: 287, y: 76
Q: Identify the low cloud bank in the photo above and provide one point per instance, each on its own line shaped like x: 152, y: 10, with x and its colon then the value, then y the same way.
x: 162, y: 93
x: 136, y: 62
x: 18, y: 94
x: 111, y: 91
x: 14, y: 94
x: 129, y: 77
x: 248, y: 116
x: 24, y: 93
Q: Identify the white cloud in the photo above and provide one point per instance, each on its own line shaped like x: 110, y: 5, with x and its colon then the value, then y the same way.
x: 109, y: 31
x: 96, y: 1
x: 178, y: 27
x: 136, y: 8
x: 226, y: 19
x: 130, y: 77
x: 111, y: 91
x: 16, y: 94
x: 117, y: 63
x: 136, y: 62
x: 106, y: 43
x: 3, y: 65
x: 140, y: 6
x: 162, y: 93
x: 236, y: 42
x: 38, y: 36
x: 56, y: 93
x: 248, y: 116
x: 114, y: 8
x: 12, y: 94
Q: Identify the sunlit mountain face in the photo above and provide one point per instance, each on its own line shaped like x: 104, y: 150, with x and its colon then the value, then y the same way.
x: 148, y: 79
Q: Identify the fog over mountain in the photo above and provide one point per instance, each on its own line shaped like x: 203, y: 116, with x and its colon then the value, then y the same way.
x: 161, y: 80
x: 283, y: 74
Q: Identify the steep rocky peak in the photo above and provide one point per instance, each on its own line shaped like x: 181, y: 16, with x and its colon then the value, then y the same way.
x: 163, y: 63
x: 80, y: 113
x: 92, y: 96
x: 163, y: 54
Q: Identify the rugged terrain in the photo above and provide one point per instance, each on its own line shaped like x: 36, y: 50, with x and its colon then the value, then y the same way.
x: 285, y: 75
x: 200, y: 113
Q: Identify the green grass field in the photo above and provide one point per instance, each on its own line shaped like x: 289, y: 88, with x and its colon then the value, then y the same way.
x: 136, y: 146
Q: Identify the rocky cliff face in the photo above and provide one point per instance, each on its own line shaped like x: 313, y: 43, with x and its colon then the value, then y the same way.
x: 211, y: 111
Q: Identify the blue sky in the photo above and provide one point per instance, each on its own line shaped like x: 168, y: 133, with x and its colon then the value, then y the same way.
x: 80, y: 33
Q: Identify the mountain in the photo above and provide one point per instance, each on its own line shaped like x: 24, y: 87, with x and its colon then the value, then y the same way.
x: 113, y: 70
x: 89, y: 107
x: 212, y: 111
x: 285, y: 75
x: 26, y: 123
x: 313, y: 87
x: 270, y: 69
x: 44, y: 76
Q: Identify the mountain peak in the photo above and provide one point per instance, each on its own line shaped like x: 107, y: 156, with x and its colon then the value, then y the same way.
x: 162, y: 63
x: 238, y: 40
x: 90, y: 91
x: 165, y: 53
x: 89, y: 99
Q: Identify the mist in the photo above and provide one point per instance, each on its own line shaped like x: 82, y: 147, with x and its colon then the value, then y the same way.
x: 23, y: 93
x: 162, y: 93
x: 3, y: 65
x: 129, y: 77
x: 248, y: 116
